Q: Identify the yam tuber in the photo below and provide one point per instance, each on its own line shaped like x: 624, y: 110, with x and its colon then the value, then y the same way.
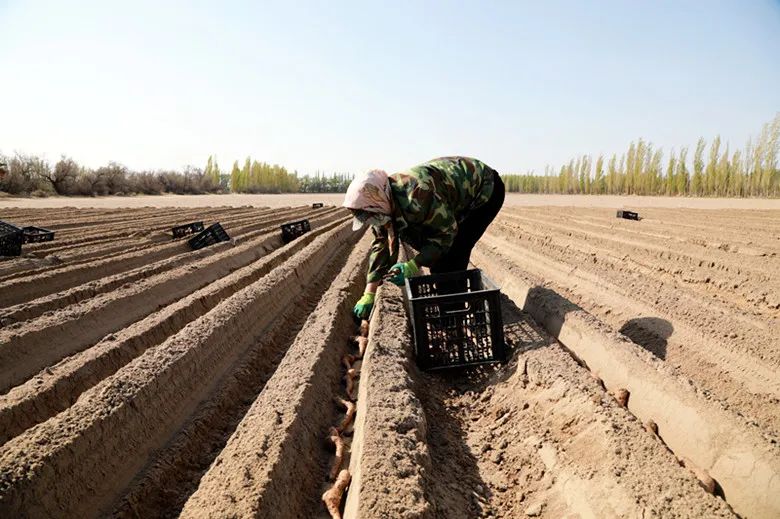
x: 705, y: 480
x: 332, y: 497
x: 362, y: 345
x: 350, y: 408
x: 651, y: 426
x: 621, y: 395
x: 338, y: 443
x: 595, y: 376
x: 347, y: 361
x: 352, y: 374
x: 364, y: 328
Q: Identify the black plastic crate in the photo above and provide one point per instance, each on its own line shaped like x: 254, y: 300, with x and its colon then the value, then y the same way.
x: 628, y: 215
x: 180, y: 231
x: 316, y: 205
x: 212, y: 234
x: 456, y: 319
x: 11, y: 239
x: 32, y: 234
x: 292, y: 230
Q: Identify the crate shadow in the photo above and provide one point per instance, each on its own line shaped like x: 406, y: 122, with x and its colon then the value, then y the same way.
x: 521, y: 334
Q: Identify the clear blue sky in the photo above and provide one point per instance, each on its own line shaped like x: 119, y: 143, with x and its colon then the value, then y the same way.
x: 348, y: 86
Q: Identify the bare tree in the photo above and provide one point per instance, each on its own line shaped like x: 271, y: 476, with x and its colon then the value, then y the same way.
x: 63, y: 176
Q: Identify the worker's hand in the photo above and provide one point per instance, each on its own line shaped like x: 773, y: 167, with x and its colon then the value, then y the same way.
x: 364, y: 305
x: 401, y: 271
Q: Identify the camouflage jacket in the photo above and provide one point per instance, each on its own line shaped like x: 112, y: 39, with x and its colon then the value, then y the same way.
x: 429, y: 201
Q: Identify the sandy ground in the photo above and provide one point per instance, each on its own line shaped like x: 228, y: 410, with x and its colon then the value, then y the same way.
x: 513, y: 199
x: 207, y: 382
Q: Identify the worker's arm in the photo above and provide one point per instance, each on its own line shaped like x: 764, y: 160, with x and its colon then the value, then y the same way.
x: 379, y: 262
x: 380, y: 258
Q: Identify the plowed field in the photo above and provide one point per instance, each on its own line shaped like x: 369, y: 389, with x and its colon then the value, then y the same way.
x: 139, y: 378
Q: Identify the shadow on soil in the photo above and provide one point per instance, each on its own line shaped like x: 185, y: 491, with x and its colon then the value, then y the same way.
x: 651, y: 333
x: 544, y: 297
x: 454, y: 398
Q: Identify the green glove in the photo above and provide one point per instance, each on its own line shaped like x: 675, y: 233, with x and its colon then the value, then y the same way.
x: 364, y: 305
x: 401, y: 271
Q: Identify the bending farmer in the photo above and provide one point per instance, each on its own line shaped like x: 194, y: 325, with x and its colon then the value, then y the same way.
x: 441, y: 208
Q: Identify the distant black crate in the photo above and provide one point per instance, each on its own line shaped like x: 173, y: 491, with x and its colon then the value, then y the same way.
x: 209, y: 236
x: 316, y: 205
x: 32, y: 234
x: 628, y: 215
x: 292, y: 230
x: 456, y: 319
x: 180, y: 231
x: 11, y: 239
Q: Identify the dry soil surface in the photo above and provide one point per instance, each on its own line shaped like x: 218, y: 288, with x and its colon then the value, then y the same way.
x: 140, y: 378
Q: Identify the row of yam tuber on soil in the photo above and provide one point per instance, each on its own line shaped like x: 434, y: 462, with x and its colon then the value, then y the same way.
x: 341, y: 476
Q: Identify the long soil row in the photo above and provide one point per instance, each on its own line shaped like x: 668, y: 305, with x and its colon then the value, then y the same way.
x: 107, y: 441
x: 206, y: 384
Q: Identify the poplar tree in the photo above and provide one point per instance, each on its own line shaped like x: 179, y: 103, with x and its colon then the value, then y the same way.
x: 710, y: 174
x: 654, y: 184
x: 598, y: 178
x: 628, y: 178
x: 698, y: 169
x: 723, y: 174
x: 612, y: 174
x: 587, y: 164
x: 737, y: 183
x: 579, y: 182
x: 621, y: 177
x: 245, y: 175
x: 212, y: 172
x: 681, y: 176
x: 235, y: 178
x: 216, y: 172
x: 209, y: 167
x: 670, y: 169
x: 639, y: 166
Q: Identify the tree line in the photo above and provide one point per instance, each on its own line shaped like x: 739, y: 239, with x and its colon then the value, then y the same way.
x: 261, y: 177
x: 713, y: 170
x: 26, y: 175
x: 31, y: 175
x: 642, y: 170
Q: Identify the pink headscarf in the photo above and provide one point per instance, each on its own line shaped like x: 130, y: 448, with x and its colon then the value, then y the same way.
x: 370, y: 192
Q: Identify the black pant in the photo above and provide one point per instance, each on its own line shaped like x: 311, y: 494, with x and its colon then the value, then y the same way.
x: 470, y: 230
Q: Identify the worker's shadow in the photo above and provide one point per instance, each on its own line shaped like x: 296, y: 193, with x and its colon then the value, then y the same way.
x: 651, y: 333
x: 521, y: 334
x: 454, y: 466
